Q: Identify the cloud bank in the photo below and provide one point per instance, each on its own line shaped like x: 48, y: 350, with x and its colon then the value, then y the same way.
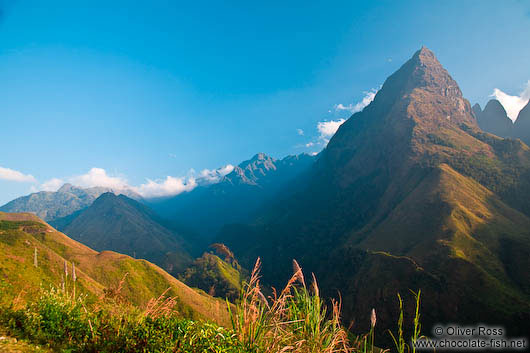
x: 168, y: 186
x: 94, y: 177
x: 99, y: 177
x: 52, y: 185
x: 513, y: 104
x: 15, y: 175
x: 212, y: 176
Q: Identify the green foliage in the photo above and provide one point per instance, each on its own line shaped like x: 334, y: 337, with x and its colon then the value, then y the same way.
x: 437, y: 140
x: 215, y: 276
x: 64, y: 323
x: 54, y: 317
x: 399, y: 341
x: 10, y: 225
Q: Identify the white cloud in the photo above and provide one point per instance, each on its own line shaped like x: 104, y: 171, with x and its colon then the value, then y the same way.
x: 300, y: 132
x: 99, y: 177
x: 357, y: 107
x: 227, y: 169
x: 310, y: 144
x: 52, y: 185
x: 212, y: 176
x: 168, y: 187
x: 327, y: 129
x: 15, y: 175
x: 513, y: 104
x: 171, y: 186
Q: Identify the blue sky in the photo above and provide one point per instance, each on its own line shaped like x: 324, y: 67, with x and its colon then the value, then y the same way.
x: 127, y: 92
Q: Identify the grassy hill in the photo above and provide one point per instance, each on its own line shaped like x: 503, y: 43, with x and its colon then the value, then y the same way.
x: 97, y: 272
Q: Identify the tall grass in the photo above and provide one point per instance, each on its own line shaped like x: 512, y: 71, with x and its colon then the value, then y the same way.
x: 295, y: 320
x: 398, y: 338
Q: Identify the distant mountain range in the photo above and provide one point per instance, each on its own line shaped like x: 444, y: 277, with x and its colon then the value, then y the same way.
x: 204, y: 210
x: 409, y: 194
x: 493, y: 119
x: 68, y: 199
x: 236, y: 197
x: 106, y: 219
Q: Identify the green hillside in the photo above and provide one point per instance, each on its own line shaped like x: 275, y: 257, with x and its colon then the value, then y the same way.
x: 97, y: 273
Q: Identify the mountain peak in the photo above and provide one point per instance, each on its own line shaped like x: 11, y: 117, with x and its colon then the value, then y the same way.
x: 422, y: 78
x: 415, y: 103
x: 258, y: 160
x: 66, y: 187
x: 259, y: 157
x: 107, y: 197
x: 495, y: 106
x: 426, y: 55
x: 477, y: 110
x: 425, y: 71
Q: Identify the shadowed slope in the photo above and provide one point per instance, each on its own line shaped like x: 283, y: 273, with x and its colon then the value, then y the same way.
x: 121, y: 224
x: 236, y: 197
x: 522, y: 124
